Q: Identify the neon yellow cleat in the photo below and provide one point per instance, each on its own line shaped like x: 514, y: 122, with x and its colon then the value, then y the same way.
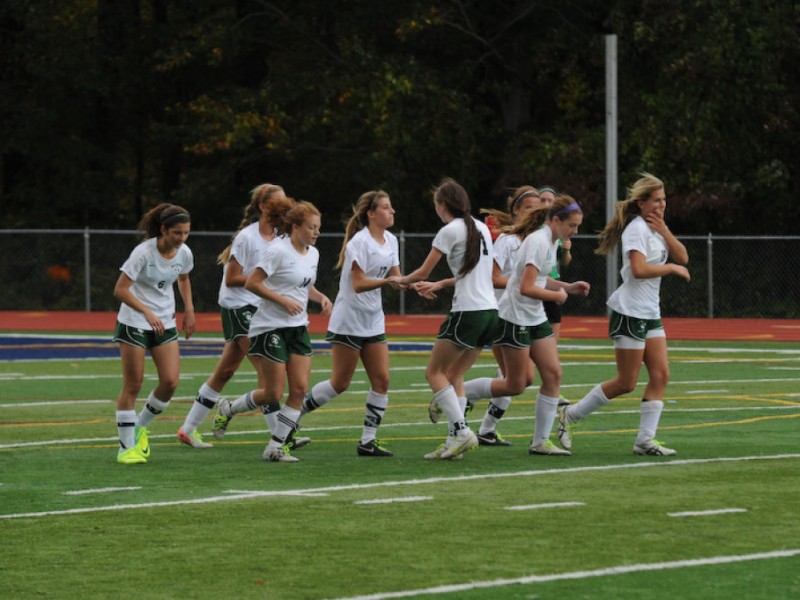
x: 131, y: 456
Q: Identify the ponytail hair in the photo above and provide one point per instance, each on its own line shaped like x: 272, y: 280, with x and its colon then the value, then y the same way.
x: 266, y: 192
x: 626, y: 210
x: 506, y: 219
x: 164, y: 215
x: 359, y: 219
x: 456, y: 201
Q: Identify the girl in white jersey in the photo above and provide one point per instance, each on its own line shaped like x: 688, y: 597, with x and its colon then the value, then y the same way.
x: 268, y: 203
x: 146, y: 321
x: 369, y: 260
x: 472, y: 322
x: 635, y: 321
x: 279, y: 343
x: 505, y: 248
x: 525, y: 333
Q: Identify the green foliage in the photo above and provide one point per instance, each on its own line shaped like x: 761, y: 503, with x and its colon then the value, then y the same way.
x: 112, y: 106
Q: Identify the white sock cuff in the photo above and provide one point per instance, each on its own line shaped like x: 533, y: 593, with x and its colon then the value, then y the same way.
x: 652, y: 406
x: 323, y: 392
x: 549, y: 400
x: 157, y: 404
x: 206, y: 391
x: 376, y: 399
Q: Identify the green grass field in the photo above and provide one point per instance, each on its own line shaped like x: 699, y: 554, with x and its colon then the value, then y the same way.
x: 720, y: 520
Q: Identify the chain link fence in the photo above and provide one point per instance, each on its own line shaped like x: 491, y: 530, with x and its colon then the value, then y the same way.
x: 69, y: 269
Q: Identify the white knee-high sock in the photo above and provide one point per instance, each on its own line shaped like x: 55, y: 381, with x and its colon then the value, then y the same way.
x: 207, y: 398
x: 270, y: 412
x: 376, y: 407
x: 151, y: 410
x: 126, y: 425
x: 243, y: 403
x: 494, y: 412
x: 589, y: 403
x: 285, y: 423
x: 447, y: 400
x: 545, y: 416
x: 319, y: 396
x: 479, y: 388
x: 649, y: 415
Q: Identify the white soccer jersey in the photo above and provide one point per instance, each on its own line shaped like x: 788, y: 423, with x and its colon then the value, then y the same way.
x: 153, y: 277
x: 505, y: 249
x: 539, y: 250
x: 639, y: 298
x: 248, y: 248
x: 362, y: 314
x: 474, y: 291
x: 289, y: 273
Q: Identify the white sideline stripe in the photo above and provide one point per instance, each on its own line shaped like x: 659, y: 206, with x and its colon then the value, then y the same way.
x: 103, y: 490
x: 298, y: 493
x: 545, y: 505
x: 393, y: 500
x: 689, y: 392
x: 243, y: 494
x: 620, y: 570
x: 703, y: 513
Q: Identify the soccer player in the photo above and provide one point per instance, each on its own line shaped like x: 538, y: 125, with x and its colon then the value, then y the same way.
x: 146, y: 321
x: 635, y: 321
x: 472, y: 321
x: 369, y: 260
x: 525, y: 333
x: 279, y: 343
x: 522, y: 200
x: 258, y: 228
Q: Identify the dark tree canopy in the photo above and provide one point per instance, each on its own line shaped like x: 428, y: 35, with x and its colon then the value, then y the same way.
x: 112, y: 106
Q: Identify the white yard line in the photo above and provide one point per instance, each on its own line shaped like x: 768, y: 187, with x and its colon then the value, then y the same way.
x: 546, y: 505
x: 105, y: 490
x: 610, y: 571
x: 243, y: 495
x: 394, y: 500
x: 705, y: 513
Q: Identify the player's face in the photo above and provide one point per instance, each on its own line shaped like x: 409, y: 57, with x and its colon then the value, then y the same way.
x: 656, y: 203
x: 547, y: 198
x: 568, y: 227
x: 308, y: 232
x: 382, y: 213
x: 176, y: 235
x: 526, y: 204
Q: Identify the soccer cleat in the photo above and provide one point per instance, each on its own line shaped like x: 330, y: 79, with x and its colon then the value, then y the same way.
x: 131, y: 456
x: 194, y: 440
x: 562, y: 401
x: 373, y: 448
x: 281, y: 454
x: 549, y: 448
x: 469, y: 407
x: 434, y: 412
x: 653, y: 448
x: 437, y: 454
x: 565, y: 427
x: 296, y: 442
x: 142, y: 441
x: 492, y: 438
x: 222, y: 419
x: 460, y: 444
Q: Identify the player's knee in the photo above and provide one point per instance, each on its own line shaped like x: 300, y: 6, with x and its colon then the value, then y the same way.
x: 341, y: 383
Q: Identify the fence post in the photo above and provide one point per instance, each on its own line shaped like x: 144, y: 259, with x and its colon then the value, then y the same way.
x: 87, y: 269
x: 402, y: 297
x: 710, y: 258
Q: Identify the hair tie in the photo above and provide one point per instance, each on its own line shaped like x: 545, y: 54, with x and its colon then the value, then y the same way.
x: 524, y: 194
x: 567, y: 209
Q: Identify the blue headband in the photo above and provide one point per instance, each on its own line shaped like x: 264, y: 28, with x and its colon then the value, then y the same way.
x: 567, y: 209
